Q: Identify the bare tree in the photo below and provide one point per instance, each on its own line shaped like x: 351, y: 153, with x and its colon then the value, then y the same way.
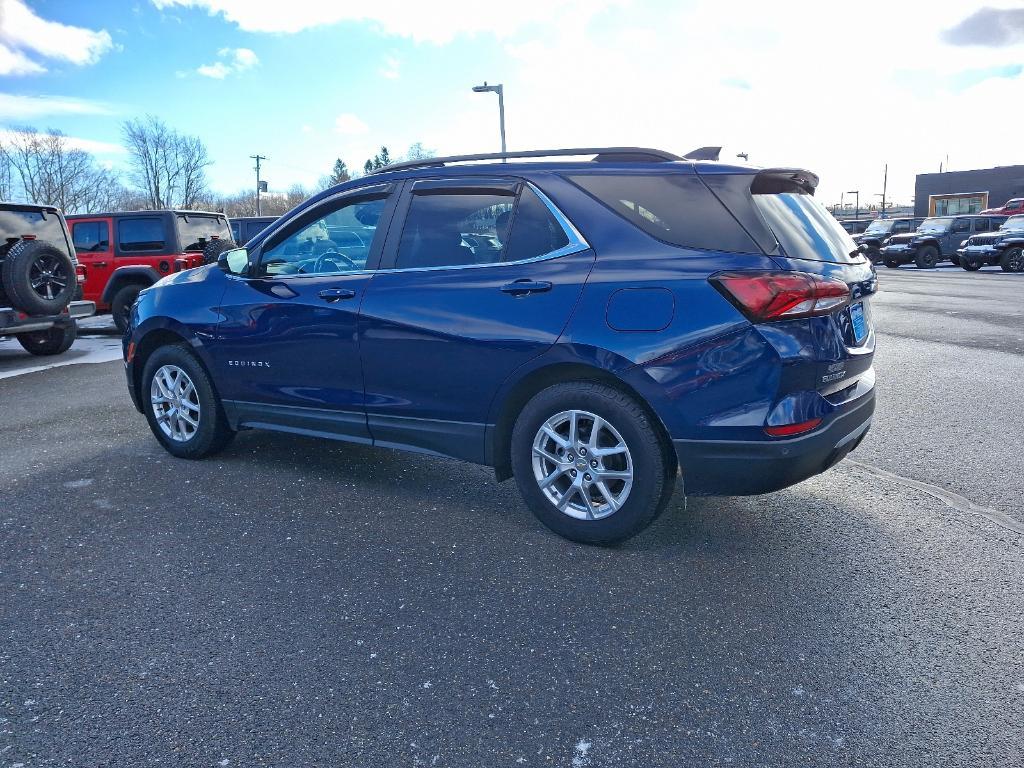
x: 169, y: 167
x: 43, y: 168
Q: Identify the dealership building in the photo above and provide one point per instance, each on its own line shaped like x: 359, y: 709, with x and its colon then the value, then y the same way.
x: 955, y: 192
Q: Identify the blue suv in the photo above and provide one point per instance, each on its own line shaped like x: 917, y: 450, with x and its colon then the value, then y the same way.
x: 599, y: 329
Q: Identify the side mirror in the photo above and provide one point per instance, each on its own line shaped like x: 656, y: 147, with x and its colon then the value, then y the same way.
x: 234, y: 262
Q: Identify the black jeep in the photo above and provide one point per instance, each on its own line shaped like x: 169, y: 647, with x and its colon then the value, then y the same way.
x: 1004, y: 247
x: 878, y: 233
x: 936, y: 240
x: 38, y: 279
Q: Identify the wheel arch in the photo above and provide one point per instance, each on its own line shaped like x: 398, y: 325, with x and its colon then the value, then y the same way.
x: 129, y: 275
x: 163, y: 335
x: 499, y: 442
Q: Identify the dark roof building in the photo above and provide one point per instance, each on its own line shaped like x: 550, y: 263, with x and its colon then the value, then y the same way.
x: 954, y: 192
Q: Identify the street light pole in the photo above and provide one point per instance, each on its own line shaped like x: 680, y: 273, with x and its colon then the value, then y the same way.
x: 500, y: 90
x: 257, y: 158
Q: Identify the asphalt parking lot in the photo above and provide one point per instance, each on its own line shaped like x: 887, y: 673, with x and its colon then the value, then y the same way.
x: 300, y: 603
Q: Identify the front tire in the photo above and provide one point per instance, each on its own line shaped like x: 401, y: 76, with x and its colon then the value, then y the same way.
x: 1012, y: 260
x: 590, y: 464
x: 892, y: 263
x: 181, y: 406
x: 970, y: 263
x: 927, y: 257
x: 53, y: 341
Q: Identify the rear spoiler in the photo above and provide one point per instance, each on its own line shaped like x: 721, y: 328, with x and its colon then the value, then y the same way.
x: 774, y: 181
x: 703, y: 153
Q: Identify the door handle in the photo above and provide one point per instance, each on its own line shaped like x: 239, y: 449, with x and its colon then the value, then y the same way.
x: 336, y: 294
x: 526, y: 286
x: 99, y: 263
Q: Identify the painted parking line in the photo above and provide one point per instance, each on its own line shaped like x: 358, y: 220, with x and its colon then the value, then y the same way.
x: 15, y: 361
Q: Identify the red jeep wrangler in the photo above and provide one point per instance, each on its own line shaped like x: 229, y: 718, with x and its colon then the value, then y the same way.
x: 1011, y: 207
x: 122, y: 253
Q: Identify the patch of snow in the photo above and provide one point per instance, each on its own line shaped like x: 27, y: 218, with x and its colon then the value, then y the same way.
x: 580, y: 759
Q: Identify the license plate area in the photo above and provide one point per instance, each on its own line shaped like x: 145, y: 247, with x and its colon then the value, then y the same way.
x: 859, y: 322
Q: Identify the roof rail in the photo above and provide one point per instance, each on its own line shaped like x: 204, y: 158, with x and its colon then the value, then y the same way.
x: 603, y: 154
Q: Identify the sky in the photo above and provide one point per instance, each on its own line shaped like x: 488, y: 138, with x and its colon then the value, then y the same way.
x: 840, y: 88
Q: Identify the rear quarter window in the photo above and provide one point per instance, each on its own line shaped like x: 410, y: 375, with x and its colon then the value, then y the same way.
x: 675, y: 208
x: 141, y: 234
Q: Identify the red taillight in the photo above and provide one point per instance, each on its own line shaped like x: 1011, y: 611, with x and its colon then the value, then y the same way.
x: 80, y: 273
x: 28, y: 237
x: 788, y: 430
x: 765, y: 296
x: 130, y: 352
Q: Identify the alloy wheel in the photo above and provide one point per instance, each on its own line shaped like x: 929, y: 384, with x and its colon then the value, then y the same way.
x: 582, y: 465
x: 175, y: 403
x: 48, y: 277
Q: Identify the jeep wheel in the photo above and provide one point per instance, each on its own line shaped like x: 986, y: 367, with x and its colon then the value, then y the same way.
x: 927, y: 257
x: 38, y: 277
x: 121, y: 305
x: 892, y: 263
x: 955, y: 258
x: 589, y: 463
x: 1012, y: 260
x: 970, y: 263
x: 215, y: 248
x: 53, y: 341
x: 181, y: 406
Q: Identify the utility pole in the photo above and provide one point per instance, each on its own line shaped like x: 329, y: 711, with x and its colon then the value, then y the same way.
x: 885, y: 187
x: 257, y: 158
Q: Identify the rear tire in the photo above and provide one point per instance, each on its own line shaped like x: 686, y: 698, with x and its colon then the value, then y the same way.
x: 608, y: 507
x: 53, y: 341
x: 927, y: 257
x: 892, y: 263
x: 38, y: 277
x: 1012, y: 260
x: 121, y: 304
x: 182, y: 408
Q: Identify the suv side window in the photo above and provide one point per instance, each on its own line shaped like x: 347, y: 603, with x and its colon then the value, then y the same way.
x: 961, y: 225
x: 91, y: 236
x: 323, y: 244
x: 450, y: 228
x: 141, y: 234
x: 981, y: 225
x: 900, y: 226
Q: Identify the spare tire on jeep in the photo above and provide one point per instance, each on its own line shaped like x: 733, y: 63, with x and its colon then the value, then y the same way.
x: 38, y: 277
x: 215, y: 248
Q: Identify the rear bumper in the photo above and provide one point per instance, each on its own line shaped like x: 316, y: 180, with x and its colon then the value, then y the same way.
x: 746, y: 468
x: 13, y: 321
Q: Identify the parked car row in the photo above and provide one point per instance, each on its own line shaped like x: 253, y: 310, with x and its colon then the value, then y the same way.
x: 970, y: 241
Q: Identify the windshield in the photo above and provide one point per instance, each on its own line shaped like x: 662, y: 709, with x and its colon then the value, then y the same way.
x: 805, y: 229
x: 1014, y: 223
x: 196, y: 230
x: 935, y: 225
x: 45, y: 225
x: 879, y: 227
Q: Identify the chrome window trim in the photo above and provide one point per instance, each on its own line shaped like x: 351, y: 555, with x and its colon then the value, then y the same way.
x: 576, y: 244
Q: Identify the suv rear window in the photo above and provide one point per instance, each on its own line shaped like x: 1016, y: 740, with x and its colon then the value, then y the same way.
x: 805, y: 229
x: 44, y: 225
x: 675, y: 208
x: 196, y: 230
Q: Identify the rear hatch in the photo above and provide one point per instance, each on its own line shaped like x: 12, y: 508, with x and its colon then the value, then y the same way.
x: 778, y: 209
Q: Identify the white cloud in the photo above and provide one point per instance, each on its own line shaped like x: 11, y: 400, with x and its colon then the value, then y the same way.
x: 16, y: 63
x: 75, y: 142
x: 233, y: 61
x: 350, y: 124
x: 22, y: 30
x: 15, y: 107
x: 432, y: 22
x: 391, y: 69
